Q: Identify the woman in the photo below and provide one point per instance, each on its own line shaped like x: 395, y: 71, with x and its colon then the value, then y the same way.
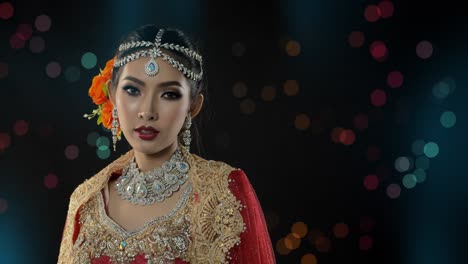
x: 159, y: 203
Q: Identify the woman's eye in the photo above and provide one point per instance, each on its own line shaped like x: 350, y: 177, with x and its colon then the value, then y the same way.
x: 131, y: 90
x: 171, y: 95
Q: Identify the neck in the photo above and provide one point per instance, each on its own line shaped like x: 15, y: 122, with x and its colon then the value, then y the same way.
x: 148, y: 162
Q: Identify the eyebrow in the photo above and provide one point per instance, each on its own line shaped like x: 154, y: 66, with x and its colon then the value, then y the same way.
x: 163, y: 84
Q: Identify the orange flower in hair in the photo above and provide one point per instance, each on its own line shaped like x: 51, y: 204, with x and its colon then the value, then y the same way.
x: 99, y: 94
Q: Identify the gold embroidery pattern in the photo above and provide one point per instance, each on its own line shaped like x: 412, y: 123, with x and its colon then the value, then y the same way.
x: 161, y: 240
x: 216, y: 222
x: 81, y: 195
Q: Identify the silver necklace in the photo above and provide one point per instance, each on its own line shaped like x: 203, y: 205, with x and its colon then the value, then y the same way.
x: 145, y: 188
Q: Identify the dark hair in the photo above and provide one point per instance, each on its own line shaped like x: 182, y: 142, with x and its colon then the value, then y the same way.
x: 176, y: 37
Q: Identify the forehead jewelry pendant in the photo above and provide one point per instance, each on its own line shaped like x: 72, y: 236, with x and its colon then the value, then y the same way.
x: 152, y: 67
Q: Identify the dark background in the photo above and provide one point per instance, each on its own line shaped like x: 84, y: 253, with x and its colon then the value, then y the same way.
x: 299, y: 173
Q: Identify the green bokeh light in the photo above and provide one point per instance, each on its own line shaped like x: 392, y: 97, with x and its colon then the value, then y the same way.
x: 409, y: 181
x: 103, y: 152
x: 102, y: 141
x: 420, y: 175
x: 441, y: 90
x: 448, y: 119
x: 431, y: 150
x: 88, y: 60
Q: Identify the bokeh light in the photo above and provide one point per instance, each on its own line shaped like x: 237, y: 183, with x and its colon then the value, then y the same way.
x: 72, y: 152
x: 422, y: 163
x: 72, y: 74
x: 347, y: 137
x: 102, y: 141
x: 372, y: 13
x: 51, y: 181
x: 6, y: 10
x: 103, y: 152
x: 378, y: 98
x: 420, y: 175
x: 341, y: 230
x: 239, y: 89
x: 403, y: 164
x: 238, y: 49
x: 379, y: 51
x: 441, y: 90
x: 5, y: 141
x: 373, y: 153
x: 448, y: 119
x: 281, y: 247
x: 16, y: 42
x: 356, y: 39
x: 43, y: 23
x: 302, y: 122
x: 293, y: 48
x: 309, y: 259
x: 24, y: 31
x: 335, y: 134
x: 393, y: 190
x: 37, y: 44
x: 386, y: 8
x: 247, y: 106
x: 88, y: 60
x: 365, y: 242
x: 291, y: 87
x: 395, y: 79
x: 424, y: 49
x: 361, y: 122
x: 371, y: 182
x: 409, y: 181
x: 299, y: 229
x: 53, y: 69
x: 292, y: 242
x: 268, y: 93
x: 323, y: 244
x: 3, y: 70
x: 431, y: 150
x: 417, y: 147
x: 21, y: 127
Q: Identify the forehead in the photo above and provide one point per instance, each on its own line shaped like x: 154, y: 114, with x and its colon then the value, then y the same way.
x: 166, y: 72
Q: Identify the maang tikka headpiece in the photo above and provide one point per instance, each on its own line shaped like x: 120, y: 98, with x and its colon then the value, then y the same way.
x: 151, y: 67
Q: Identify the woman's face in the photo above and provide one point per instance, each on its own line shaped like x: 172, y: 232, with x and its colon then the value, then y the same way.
x: 161, y: 102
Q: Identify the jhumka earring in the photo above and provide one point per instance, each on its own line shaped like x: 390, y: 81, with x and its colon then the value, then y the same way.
x: 186, y: 135
x: 115, y: 126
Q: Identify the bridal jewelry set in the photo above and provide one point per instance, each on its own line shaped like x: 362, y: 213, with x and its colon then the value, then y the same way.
x: 145, y: 188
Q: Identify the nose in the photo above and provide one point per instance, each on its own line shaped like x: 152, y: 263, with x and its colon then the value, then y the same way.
x: 148, y: 109
x: 148, y: 116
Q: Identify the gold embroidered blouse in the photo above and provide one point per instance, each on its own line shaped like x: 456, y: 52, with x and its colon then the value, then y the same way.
x: 202, y: 228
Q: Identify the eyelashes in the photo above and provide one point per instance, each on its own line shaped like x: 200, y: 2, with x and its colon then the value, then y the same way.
x: 133, y: 91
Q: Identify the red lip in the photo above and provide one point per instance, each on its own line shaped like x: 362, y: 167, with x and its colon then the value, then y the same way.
x: 148, y: 134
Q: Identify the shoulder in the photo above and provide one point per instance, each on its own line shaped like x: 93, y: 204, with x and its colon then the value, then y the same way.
x: 97, y: 181
x: 201, y: 165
